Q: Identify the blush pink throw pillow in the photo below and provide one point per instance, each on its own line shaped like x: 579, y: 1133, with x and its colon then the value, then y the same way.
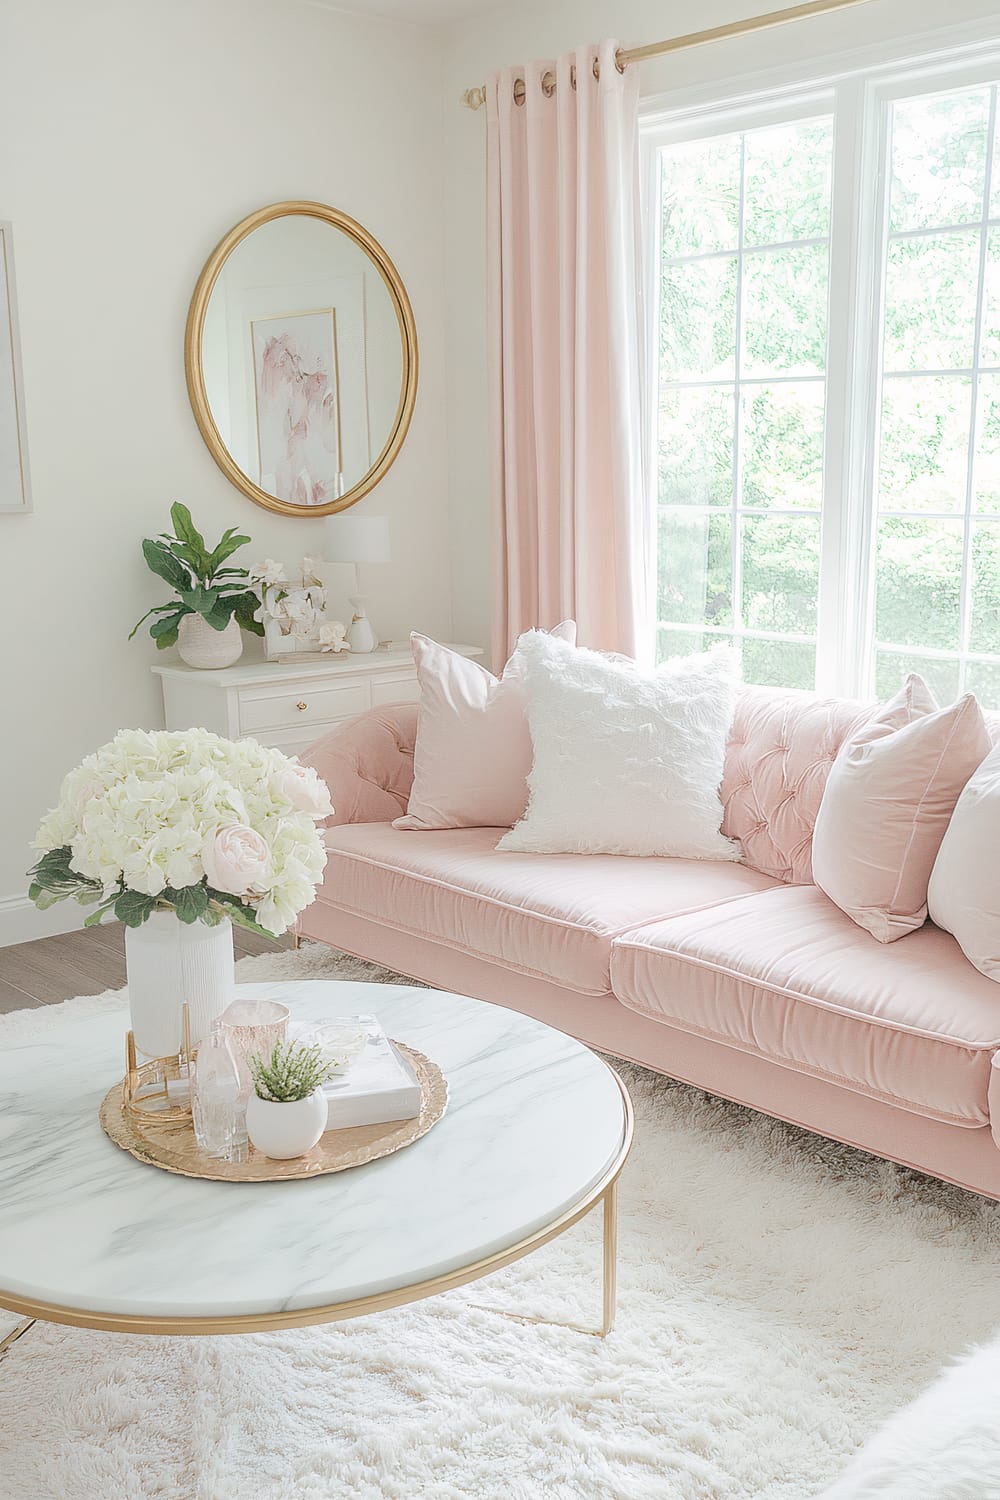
x: 473, y: 750
x: 887, y: 804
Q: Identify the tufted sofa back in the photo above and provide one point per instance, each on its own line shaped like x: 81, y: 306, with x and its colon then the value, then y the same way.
x: 781, y: 747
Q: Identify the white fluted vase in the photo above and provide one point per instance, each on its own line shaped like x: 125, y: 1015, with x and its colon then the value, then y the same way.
x: 170, y: 962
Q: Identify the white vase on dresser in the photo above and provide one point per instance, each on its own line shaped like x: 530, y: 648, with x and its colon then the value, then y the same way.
x: 286, y: 703
x: 200, y: 646
x: 168, y: 963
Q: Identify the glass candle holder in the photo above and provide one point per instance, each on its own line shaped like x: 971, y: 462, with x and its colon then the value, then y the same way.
x: 253, y: 1026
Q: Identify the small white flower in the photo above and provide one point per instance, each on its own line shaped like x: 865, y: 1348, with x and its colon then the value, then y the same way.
x: 304, y: 790
x: 268, y: 572
x: 310, y: 565
x: 333, y: 636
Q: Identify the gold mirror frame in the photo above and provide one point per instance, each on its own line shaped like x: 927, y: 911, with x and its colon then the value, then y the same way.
x: 196, y: 380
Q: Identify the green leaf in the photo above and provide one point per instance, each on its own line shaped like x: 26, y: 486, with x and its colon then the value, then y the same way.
x: 168, y: 638
x: 158, y: 609
x: 231, y: 542
x: 246, y: 606
x: 168, y: 623
x: 165, y: 565
x: 44, y: 898
x: 196, y: 561
x: 54, y: 865
x: 97, y: 915
x: 184, y: 527
x: 53, y: 880
x: 201, y: 600
x: 238, y: 913
x: 190, y: 902
x: 133, y: 907
x: 220, y: 616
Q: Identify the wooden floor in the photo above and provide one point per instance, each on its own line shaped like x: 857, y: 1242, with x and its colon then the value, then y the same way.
x: 84, y: 963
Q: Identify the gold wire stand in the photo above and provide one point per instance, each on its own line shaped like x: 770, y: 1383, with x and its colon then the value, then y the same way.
x: 15, y: 1333
x: 146, y: 1086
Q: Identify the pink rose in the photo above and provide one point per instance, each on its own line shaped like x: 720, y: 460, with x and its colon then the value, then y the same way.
x: 304, y: 790
x: 236, y: 859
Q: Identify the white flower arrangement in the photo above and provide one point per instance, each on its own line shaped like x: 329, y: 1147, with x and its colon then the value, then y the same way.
x: 293, y: 615
x: 185, y: 821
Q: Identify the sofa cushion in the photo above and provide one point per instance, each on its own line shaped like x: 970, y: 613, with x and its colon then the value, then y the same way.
x: 889, y: 798
x: 786, y: 975
x: 780, y: 750
x: 548, y: 915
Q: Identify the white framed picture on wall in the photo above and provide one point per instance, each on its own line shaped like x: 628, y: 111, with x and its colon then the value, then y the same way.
x: 15, y: 489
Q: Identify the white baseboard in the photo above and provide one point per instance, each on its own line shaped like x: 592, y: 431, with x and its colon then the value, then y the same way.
x: 22, y: 922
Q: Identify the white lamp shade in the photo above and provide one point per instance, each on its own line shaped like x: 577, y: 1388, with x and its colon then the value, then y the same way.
x: 356, y: 539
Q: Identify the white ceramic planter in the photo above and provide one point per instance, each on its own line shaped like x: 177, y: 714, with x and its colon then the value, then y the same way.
x: 201, y: 646
x: 169, y: 962
x: 282, y: 1131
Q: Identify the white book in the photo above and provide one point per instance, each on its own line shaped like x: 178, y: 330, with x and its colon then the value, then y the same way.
x: 379, y: 1086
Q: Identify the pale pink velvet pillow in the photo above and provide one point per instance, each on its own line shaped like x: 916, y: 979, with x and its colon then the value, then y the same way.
x: 473, y: 750
x: 887, y: 804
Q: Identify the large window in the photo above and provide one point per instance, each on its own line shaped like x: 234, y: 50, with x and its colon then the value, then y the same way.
x: 827, y: 400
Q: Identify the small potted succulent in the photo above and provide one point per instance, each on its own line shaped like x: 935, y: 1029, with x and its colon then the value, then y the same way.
x: 213, y: 602
x: 286, y: 1113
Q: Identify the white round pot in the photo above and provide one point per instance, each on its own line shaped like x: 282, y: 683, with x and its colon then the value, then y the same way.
x: 169, y: 962
x: 201, y: 646
x: 282, y: 1131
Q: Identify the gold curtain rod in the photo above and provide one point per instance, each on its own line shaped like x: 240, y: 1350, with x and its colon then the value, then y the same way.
x: 476, y: 98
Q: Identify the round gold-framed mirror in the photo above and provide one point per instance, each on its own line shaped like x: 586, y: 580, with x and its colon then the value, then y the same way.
x: 301, y: 358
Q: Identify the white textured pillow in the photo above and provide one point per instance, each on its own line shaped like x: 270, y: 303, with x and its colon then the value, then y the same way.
x: 625, y: 761
x: 962, y: 896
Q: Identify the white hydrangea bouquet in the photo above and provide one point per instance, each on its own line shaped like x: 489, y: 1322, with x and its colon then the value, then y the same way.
x: 187, y: 822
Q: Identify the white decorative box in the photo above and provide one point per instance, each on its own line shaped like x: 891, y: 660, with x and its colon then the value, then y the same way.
x: 378, y: 1087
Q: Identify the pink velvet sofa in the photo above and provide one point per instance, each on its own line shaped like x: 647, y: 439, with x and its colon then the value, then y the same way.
x: 741, y: 978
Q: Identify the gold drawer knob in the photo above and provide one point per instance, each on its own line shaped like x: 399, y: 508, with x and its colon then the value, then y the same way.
x: 300, y: 706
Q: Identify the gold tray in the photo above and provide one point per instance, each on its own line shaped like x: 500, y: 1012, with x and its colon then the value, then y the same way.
x: 170, y: 1144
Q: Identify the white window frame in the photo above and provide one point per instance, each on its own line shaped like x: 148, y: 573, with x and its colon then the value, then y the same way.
x: 857, y: 92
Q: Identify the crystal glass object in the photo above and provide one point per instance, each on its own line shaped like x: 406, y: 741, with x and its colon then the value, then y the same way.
x: 218, y: 1111
x: 253, y: 1026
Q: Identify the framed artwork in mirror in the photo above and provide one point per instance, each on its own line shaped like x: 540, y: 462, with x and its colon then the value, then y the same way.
x: 15, y: 488
x: 301, y: 358
x: 297, y: 400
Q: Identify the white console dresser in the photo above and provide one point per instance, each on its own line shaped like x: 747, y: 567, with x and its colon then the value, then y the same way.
x: 283, y: 703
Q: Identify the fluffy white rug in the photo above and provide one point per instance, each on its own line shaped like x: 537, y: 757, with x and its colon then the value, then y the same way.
x: 780, y: 1296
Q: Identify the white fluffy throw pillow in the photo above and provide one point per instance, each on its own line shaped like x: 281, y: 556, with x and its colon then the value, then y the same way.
x: 625, y: 761
x: 943, y: 1446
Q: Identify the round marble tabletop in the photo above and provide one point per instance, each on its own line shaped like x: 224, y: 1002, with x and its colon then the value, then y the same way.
x: 536, y: 1130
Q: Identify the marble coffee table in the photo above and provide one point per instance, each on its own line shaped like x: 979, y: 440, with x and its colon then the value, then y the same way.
x: 536, y: 1132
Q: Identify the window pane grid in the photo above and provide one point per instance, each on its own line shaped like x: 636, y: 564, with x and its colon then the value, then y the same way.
x: 742, y: 395
x: 924, y: 234
x: 926, y: 567
x: 747, y: 250
x: 729, y: 632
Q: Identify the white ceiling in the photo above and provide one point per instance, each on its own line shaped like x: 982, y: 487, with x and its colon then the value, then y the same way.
x: 428, y: 12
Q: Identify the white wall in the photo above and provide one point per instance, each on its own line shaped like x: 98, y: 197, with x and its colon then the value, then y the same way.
x: 515, y: 33
x: 133, y: 134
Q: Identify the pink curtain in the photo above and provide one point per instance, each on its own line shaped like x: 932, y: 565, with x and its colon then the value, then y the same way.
x: 565, y: 352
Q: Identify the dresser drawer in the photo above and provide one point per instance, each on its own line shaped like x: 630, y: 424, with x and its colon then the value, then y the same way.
x: 402, y: 689
x: 291, y: 708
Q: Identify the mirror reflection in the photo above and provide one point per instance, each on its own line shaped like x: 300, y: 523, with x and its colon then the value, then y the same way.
x: 304, y: 361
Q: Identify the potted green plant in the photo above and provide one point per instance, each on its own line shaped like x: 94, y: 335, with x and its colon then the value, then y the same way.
x: 286, y: 1113
x: 214, y: 602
